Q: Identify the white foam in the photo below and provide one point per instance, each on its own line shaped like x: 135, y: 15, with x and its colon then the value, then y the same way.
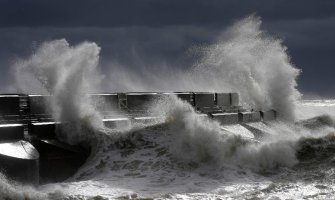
x: 239, y: 130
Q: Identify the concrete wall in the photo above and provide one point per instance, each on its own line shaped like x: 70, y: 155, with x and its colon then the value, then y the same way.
x: 11, y: 132
x: 43, y: 130
x: 9, y: 105
x: 19, y: 160
x: 204, y: 100
x: 141, y: 101
x: 234, y: 99
x: 223, y: 99
x: 39, y: 105
x: 245, y: 117
x: 227, y: 99
x: 58, y: 161
x: 226, y: 118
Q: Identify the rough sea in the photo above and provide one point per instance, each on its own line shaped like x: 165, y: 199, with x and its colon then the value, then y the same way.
x: 194, y: 158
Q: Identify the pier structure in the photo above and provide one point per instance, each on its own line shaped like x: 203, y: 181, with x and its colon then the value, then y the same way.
x: 31, y: 152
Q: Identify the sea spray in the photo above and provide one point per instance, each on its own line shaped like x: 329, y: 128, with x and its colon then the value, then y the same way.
x: 200, y: 139
x: 247, y: 60
x: 243, y: 58
x: 68, y: 73
x: 11, y: 190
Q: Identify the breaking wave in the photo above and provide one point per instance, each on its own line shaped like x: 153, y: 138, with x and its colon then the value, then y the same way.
x: 246, y: 59
x: 67, y: 74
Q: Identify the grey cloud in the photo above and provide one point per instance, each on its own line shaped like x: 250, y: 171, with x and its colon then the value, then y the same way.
x: 311, y: 45
x: 149, y: 33
x: 132, y: 47
x: 119, y: 13
x: 305, y: 32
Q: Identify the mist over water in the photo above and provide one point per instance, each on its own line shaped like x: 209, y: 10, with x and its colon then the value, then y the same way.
x: 182, y: 155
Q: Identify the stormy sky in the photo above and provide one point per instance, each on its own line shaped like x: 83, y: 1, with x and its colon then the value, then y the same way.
x: 152, y: 33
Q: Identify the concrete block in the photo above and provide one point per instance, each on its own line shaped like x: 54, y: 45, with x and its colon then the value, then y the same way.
x: 245, y: 117
x: 58, y: 161
x: 44, y: 130
x: 223, y: 99
x: 117, y: 123
x: 105, y: 102
x: 141, y: 101
x: 269, y: 115
x: 226, y: 118
x: 40, y: 104
x: 19, y: 160
x: 9, y: 105
x: 11, y: 132
x: 204, y: 100
x: 234, y: 99
x: 210, y: 110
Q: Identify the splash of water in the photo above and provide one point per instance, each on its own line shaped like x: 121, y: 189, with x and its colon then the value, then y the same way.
x: 11, y: 190
x: 243, y: 59
x: 247, y: 60
x: 200, y: 139
x: 68, y: 73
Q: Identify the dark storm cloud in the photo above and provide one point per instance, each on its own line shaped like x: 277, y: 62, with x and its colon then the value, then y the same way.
x: 133, y: 47
x: 109, y: 13
x: 150, y: 33
x: 311, y: 45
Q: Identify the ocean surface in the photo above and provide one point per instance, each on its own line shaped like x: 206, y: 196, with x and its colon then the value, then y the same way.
x: 192, y: 157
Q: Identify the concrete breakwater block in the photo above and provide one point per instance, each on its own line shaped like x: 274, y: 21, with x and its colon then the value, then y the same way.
x: 44, y: 130
x: 11, y: 132
x: 40, y: 104
x: 204, y: 100
x: 245, y: 117
x: 140, y: 101
x: 9, y: 105
x: 269, y: 115
x: 223, y: 99
x: 226, y: 118
x: 227, y: 99
x: 19, y: 160
x: 58, y: 160
x: 234, y: 99
x: 55, y: 155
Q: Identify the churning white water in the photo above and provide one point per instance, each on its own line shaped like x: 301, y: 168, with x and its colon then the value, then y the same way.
x: 186, y: 155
